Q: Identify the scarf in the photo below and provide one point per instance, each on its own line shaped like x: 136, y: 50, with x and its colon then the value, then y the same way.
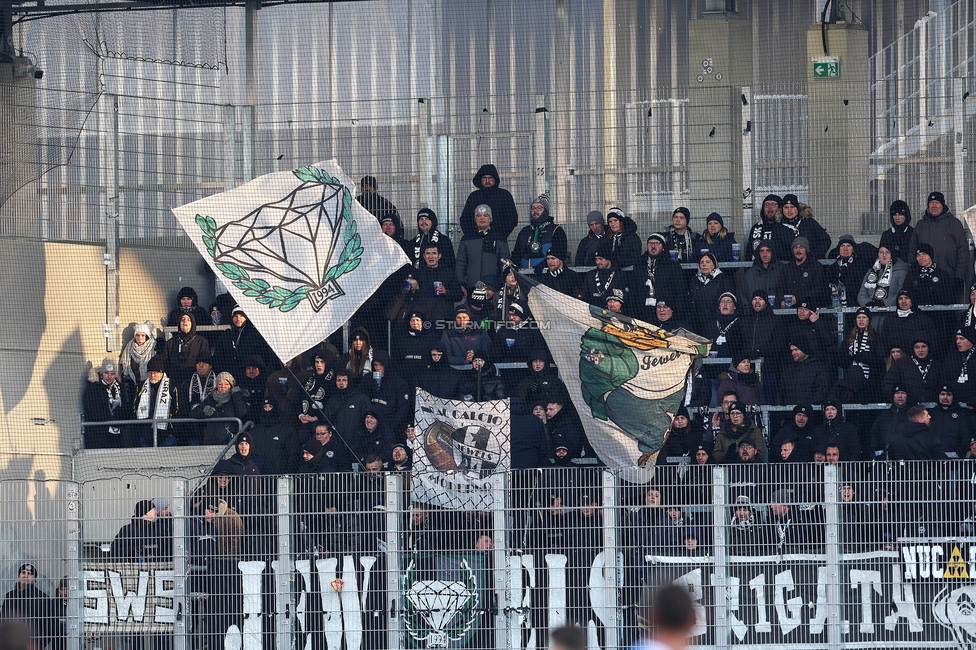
x: 927, y: 273
x: 161, y: 409
x: 201, y: 389
x: 220, y: 398
x: 795, y: 228
x: 860, y: 345
x: 903, y: 313
x: 922, y: 370
x: 705, y: 279
x: 878, y: 279
x: 138, y: 354
x: 114, y: 393
x: 681, y: 243
x: 433, y: 235
x: 601, y: 285
x: 964, y: 369
x: 651, y: 270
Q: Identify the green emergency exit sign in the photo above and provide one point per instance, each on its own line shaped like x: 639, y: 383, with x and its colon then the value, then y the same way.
x: 826, y: 68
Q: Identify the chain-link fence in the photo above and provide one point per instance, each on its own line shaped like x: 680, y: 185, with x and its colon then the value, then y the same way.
x: 804, y: 555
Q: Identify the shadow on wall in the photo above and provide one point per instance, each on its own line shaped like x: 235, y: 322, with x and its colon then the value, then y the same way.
x: 64, y: 383
x: 25, y: 278
x: 33, y: 527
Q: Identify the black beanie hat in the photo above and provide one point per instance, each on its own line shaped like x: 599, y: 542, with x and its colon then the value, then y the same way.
x: 156, y: 365
x: 937, y: 196
x: 605, y: 249
x: 683, y: 210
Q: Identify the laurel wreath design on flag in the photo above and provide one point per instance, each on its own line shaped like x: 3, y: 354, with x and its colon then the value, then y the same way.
x: 263, y: 238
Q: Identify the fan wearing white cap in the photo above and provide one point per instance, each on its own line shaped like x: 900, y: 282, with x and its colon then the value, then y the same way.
x: 102, y: 402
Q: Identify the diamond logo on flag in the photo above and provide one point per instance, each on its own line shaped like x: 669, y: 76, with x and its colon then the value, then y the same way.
x: 293, y: 239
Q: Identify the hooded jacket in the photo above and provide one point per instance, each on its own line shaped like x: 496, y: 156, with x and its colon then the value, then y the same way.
x: 359, y: 363
x: 805, y: 382
x: 760, y: 332
x: 528, y: 439
x: 482, y: 385
x: 391, y: 395
x: 729, y: 437
x: 626, y: 246
x: 236, y: 345
x: 199, y: 313
x: 901, y: 331
x: 251, y: 465
x: 346, y: 408
x: 886, y: 422
x: 411, y: 348
x: 760, y: 277
x: 914, y: 441
x: 947, y: 237
x: 703, y: 297
x: 564, y: 431
x: 415, y: 246
x: 898, y: 239
x: 440, y: 379
x: 806, y: 282
x: 142, y: 540
x: 839, y: 432
x: 182, y: 351
x: 278, y: 439
x: 503, y: 210
x: 850, y: 272
x: 772, y: 231
x: 379, y: 441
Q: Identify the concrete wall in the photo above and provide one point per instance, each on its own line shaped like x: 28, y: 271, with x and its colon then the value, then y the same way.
x: 55, y: 312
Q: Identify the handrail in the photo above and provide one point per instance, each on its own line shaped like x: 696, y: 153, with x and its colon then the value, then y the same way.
x: 156, y: 421
x: 169, y: 330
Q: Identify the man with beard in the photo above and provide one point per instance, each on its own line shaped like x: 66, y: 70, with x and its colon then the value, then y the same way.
x: 556, y: 276
x: 951, y: 424
x: 599, y: 283
x: 490, y: 193
x: 803, y: 278
x: 769, y: 229
x: 536, y: 239
x: 657, y: 277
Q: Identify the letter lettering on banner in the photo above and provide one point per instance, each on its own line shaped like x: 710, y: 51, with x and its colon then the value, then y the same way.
x: 693, y: 580
x: 598, y: 590
x: 819, y: 617
x: 557, y: 589
x: 127, y: 600
x: 865, y: 581
x: 165, y: 587
x: 972, y: 560
x: 904, y: 599
x: 758, y: 586
x: 99, y: 613
x: 911, y: 559
x: 783, y: 583
x: 732, y: 593
x: 304, y: 568
x: 352, y: 614
x: 937, y: 552
x: 251, y: 583
x: 331, y: 606
x: 924, y: 562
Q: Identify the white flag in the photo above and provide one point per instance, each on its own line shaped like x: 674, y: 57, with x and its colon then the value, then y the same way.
x: 625, y: 377
x: 297, y: 252
x: 459, y: 447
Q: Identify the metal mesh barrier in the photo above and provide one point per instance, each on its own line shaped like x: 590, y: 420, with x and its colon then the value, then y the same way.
x: 799, y: 555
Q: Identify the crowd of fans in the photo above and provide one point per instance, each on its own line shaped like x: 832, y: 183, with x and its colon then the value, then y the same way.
x: 460, y: 328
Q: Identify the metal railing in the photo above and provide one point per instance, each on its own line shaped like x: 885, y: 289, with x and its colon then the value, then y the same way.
x: 157, y: 421
x: 852, y: 555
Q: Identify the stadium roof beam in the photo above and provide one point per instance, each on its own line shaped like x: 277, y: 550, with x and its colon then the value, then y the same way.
x: 24, y: 10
